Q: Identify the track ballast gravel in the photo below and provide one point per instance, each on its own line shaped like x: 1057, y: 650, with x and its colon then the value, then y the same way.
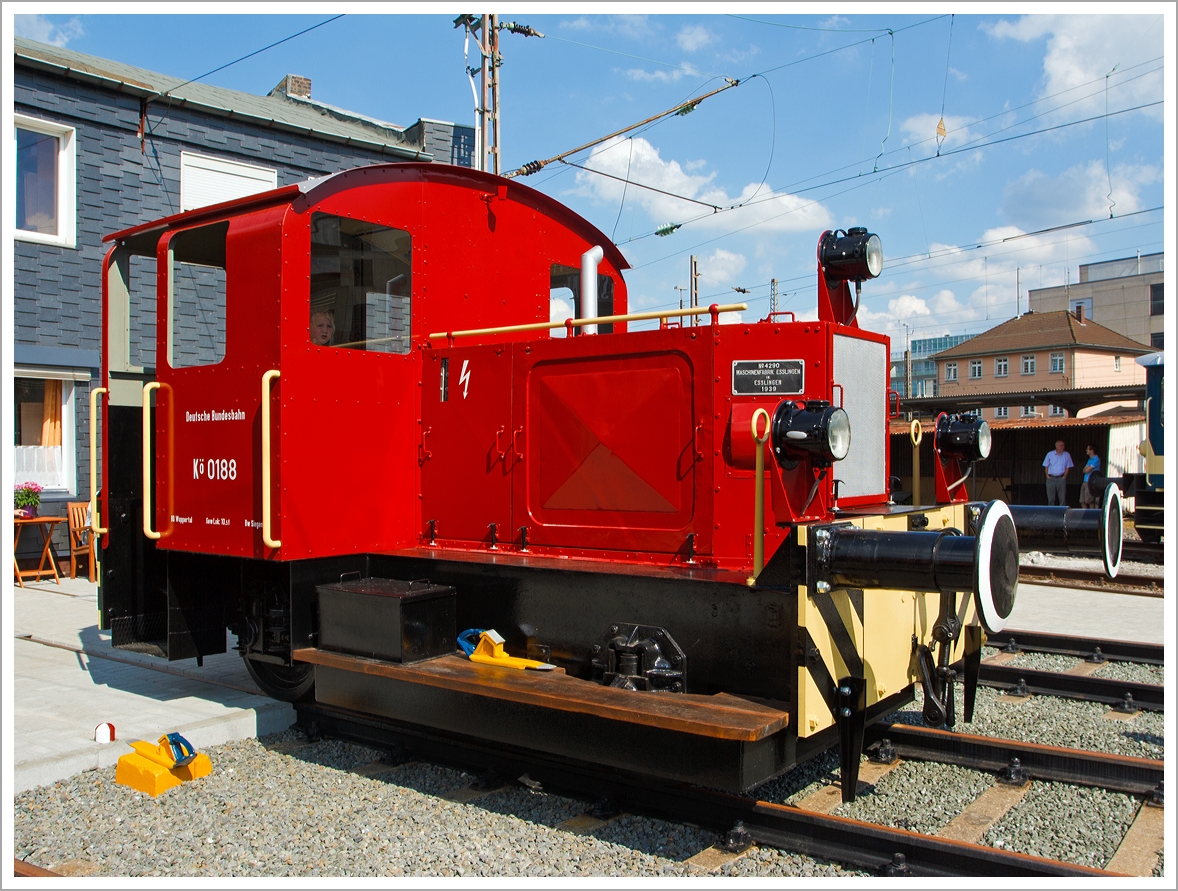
x: 264, y: 812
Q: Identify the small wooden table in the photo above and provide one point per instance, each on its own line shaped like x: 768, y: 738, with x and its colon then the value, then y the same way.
x: 46, y: 525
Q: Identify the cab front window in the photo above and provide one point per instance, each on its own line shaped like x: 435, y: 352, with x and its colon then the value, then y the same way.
x: 360, y: 285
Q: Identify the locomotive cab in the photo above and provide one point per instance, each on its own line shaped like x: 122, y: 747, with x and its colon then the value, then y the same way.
x: 353, y: 385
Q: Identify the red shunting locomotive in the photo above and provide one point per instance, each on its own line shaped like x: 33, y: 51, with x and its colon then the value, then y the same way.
x: 362, y: 435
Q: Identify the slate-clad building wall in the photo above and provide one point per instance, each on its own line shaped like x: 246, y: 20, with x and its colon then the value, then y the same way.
x: 122, y: 181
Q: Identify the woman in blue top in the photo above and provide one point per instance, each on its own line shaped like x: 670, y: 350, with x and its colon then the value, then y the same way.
x: 1091, y: 471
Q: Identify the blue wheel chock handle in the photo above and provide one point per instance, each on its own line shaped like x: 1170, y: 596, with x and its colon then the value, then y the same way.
x: 182, y: 750
x: 469, y: 639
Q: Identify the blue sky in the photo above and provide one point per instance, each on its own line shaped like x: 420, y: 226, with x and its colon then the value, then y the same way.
x: 838, y: 129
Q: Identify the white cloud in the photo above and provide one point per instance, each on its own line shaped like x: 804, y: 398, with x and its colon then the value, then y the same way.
x: 634, y: 27
x: 1084, y: 48
x: 771, y: 211
x: 905, y: 308
x: 729, y: 318
x: 40, y: 28
x: 722, y: 266
x: 1037, y: 201
x: 660, y: 76
x: 559, y: 309
x: 692, y: 37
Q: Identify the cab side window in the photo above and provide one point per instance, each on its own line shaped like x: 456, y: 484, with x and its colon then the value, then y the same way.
x: 361, y: 285
x: 564, y: 297
x: 196, y: 296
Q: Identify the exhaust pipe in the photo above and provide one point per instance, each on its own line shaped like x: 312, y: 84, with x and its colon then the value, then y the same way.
x: 1080, y: 532
x: 589, y: 261
x: 985, y: 563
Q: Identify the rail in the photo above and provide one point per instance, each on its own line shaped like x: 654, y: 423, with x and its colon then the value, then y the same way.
x: 882, y: 850
x: 569, y: 324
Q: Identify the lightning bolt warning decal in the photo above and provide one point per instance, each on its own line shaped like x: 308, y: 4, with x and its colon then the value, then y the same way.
x: 464, y: 377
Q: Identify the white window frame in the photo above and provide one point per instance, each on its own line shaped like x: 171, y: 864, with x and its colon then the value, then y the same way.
x: 1001, y: 411
x: 975, y: 369
x: 1029, y: 361
x: 236, y: 180
x: 67, y: 182
x: 69, y: 442
x: 1057, y: 412
x: 950, y: 371
x: 1057, y: 363
x: 1002, y: 366
x: 1116, y: 363
x: 1028, y: 411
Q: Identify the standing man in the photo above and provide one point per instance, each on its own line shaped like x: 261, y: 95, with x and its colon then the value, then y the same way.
x: 1091, y: 471
x: 1056, y: 465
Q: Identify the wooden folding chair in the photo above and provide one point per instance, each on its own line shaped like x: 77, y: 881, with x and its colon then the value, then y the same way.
x: 81, y: 538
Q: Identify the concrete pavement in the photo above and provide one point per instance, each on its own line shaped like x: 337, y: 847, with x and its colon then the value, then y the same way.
x: 67, y: 679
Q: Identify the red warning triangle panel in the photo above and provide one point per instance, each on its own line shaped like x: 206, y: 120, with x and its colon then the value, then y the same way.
x: 604, y: 482
x: 638, y: 414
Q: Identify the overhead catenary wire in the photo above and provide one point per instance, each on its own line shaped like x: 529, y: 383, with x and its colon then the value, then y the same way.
x: 896, y: 168
x: 942, y: 133
x: 682, y: 108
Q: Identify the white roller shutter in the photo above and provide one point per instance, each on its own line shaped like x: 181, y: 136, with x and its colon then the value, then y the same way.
x: 205, y: 180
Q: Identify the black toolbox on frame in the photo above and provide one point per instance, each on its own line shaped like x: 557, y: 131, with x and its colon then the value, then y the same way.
x: 386, y: 619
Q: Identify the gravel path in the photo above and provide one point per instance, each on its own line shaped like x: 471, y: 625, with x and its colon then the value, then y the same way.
x: 264, y: 812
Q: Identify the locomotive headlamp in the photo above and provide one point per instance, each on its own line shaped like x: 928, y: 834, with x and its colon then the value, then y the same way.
x: 853, y: 255
x: 967, y: 436
x: 818, y: 431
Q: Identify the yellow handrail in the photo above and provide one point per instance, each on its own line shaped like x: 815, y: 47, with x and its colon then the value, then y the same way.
x: 599, y: 320
x: 759, y: 494
x: 147, y: 530
x: 266, y: 378
x: 916, y: 434
x: 94, y: 527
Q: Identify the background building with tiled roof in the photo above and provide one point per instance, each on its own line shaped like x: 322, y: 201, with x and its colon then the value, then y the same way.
x: 103, y: 146
x: 1126, y: 295
x: 1039, y: 352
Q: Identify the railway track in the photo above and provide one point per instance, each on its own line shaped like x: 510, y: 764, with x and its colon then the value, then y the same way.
x: 1078, y: 681
x: 807, y: 828
x: 1067, y: 577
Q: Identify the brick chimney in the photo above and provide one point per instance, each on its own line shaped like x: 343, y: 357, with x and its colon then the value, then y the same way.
x: 1080, y: 313
x: 294, y: 85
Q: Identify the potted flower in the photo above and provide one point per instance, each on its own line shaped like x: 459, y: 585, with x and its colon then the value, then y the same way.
x: 27, y: 499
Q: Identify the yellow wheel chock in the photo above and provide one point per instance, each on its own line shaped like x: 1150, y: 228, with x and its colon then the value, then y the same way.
x: 156, y: 768
x: 489, y: 651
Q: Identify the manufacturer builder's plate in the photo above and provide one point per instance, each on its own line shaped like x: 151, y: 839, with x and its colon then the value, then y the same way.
x: 771, y: 377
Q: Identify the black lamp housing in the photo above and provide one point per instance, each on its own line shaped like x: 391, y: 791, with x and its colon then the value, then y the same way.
x: 965, y: 436
x: 853, y: 255
x: 816, y: 430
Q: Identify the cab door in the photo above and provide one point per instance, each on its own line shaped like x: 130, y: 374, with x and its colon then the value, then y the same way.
x: 217, y: 332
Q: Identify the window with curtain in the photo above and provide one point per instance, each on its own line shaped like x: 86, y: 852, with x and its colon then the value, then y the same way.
x: 38, y: 450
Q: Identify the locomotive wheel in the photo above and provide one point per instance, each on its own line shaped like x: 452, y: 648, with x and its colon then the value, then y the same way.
x: 288, y: 683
